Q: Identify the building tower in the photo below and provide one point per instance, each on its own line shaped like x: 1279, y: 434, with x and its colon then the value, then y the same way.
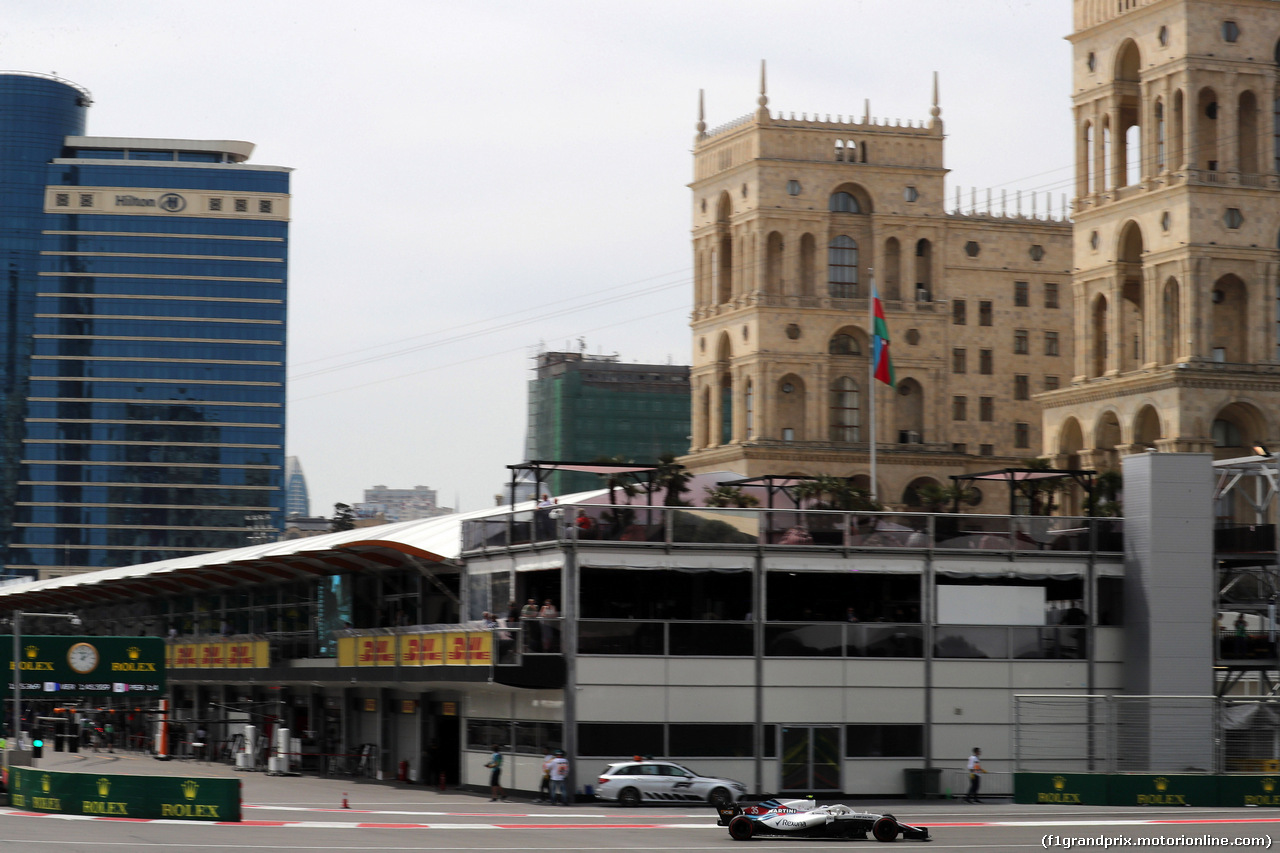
x: 1177, y: 202
x: 791, y: 217
x: 144, y: 339
x: 297, y: 499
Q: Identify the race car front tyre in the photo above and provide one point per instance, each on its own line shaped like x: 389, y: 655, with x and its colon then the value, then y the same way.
x: 628, y: 797
x: 720, y: 797
x: 885, y: 829
x: 740, y: 828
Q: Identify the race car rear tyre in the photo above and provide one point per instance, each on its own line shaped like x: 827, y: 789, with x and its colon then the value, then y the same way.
x: 720, y: 797
x: 628, y: 797
x: 885, y: 829
x: 741, y: 827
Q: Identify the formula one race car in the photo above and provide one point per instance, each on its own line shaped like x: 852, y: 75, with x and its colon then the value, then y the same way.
x: 802, y: 819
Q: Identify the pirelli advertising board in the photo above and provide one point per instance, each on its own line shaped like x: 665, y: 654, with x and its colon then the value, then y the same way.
x: 78, y: 666
x: 173, y: 797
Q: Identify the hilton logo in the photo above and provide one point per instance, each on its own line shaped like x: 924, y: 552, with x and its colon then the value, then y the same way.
x: 169, y: 202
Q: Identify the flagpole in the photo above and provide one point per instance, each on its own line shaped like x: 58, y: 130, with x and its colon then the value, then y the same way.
x: 871, y: 377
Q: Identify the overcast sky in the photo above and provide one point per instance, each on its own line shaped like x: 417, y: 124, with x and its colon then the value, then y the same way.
x: 475, y: 180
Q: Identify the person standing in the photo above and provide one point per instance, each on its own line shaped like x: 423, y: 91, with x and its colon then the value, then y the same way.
x: 495, y: 775
x: 544, y: 787
x: 975, y: 781
x: 528, y: 623
x: 548, y: 615
x: 559, y: 773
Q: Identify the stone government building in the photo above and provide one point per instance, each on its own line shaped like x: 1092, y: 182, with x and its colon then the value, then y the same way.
x: 1149, y: 322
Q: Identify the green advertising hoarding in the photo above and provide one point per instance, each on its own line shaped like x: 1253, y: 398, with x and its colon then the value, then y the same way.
x: 53, y: 666
x: 173, y: 797
x: 1067, y: 789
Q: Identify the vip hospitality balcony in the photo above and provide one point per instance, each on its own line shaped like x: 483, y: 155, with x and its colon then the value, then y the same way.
x: 597, y: 525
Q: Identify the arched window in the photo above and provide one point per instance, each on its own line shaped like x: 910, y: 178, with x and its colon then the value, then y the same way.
x: 1160, y: 131
x: 843, y: 202
x: 773, y: 263
x: 846, y: 412
x: 1226, y: 434
x: 842, y: 266
x: 843, y: 344
x: 924, y: 271
x: 839, y: 150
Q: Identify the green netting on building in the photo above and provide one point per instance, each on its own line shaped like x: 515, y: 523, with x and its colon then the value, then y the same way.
x: 585, y: 408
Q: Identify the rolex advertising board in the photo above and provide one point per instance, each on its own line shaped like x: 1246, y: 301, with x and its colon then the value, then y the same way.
x: 1063, y: 789
x: 120, y: 796
x: 76, y: 666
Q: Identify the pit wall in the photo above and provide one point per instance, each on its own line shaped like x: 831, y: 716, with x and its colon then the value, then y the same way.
x: 1138, y: 789
x: 170, y: 797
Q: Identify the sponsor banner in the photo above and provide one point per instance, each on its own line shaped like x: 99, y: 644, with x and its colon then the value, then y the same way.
x: 222, y: 654
x: 1261, y: 790
x: 173, y: 797
x: 375, y: 651
x: 1060, y: 789
x: 1167, y: 789
x: 76, y: 665
x: 453, y: 648
x: 1146, y: 789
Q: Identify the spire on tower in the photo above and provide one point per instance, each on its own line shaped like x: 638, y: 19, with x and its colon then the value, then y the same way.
x: 702, y: 115
x: 762, y: 112
x: 866, y: 111
x: 935, y: 110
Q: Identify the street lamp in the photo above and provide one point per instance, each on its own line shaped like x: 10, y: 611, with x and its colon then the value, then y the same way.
x: 17, y: 671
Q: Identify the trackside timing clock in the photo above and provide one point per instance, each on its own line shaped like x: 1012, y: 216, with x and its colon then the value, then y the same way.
x: 83, y: 658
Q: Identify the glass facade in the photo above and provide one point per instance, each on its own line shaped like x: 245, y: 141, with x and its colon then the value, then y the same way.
x: 145, y: 342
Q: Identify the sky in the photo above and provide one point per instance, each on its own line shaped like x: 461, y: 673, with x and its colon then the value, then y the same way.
x: 475, y: 181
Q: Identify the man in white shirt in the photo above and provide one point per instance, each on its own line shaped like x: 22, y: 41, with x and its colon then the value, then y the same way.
x: 559, y: 773
x: 975, y: 767
x: 544, y: 787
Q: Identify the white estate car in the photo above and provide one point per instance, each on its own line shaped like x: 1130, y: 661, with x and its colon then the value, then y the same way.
x: 633, y: 782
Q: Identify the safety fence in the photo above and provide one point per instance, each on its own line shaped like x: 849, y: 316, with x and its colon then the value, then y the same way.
x: 1146, y: 734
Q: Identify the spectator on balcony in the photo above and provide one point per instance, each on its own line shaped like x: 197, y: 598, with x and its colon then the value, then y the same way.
x: 548, y: 615
x: 1241, y: 636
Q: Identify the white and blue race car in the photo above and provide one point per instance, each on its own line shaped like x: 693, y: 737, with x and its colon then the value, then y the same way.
x: 803, y: 819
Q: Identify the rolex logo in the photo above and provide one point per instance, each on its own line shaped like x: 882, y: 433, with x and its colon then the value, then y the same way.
x: 190, y: 788
x: 1161, y: 783
x: 44, y: 783
x: 1059, y: 782
x: 104, y: 786
x: 1268, y: 784
x: 133, y: 652
x: 32, y: 651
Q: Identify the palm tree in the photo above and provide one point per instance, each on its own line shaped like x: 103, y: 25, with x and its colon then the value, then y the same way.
x: 729, y: 496
x: 671, y: 476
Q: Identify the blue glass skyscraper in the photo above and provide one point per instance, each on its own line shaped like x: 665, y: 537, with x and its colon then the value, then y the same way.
x: 143, y: 340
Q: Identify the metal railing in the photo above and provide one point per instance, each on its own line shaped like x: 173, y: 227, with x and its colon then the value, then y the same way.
x: 637, y: 637
x: 599, y: 523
